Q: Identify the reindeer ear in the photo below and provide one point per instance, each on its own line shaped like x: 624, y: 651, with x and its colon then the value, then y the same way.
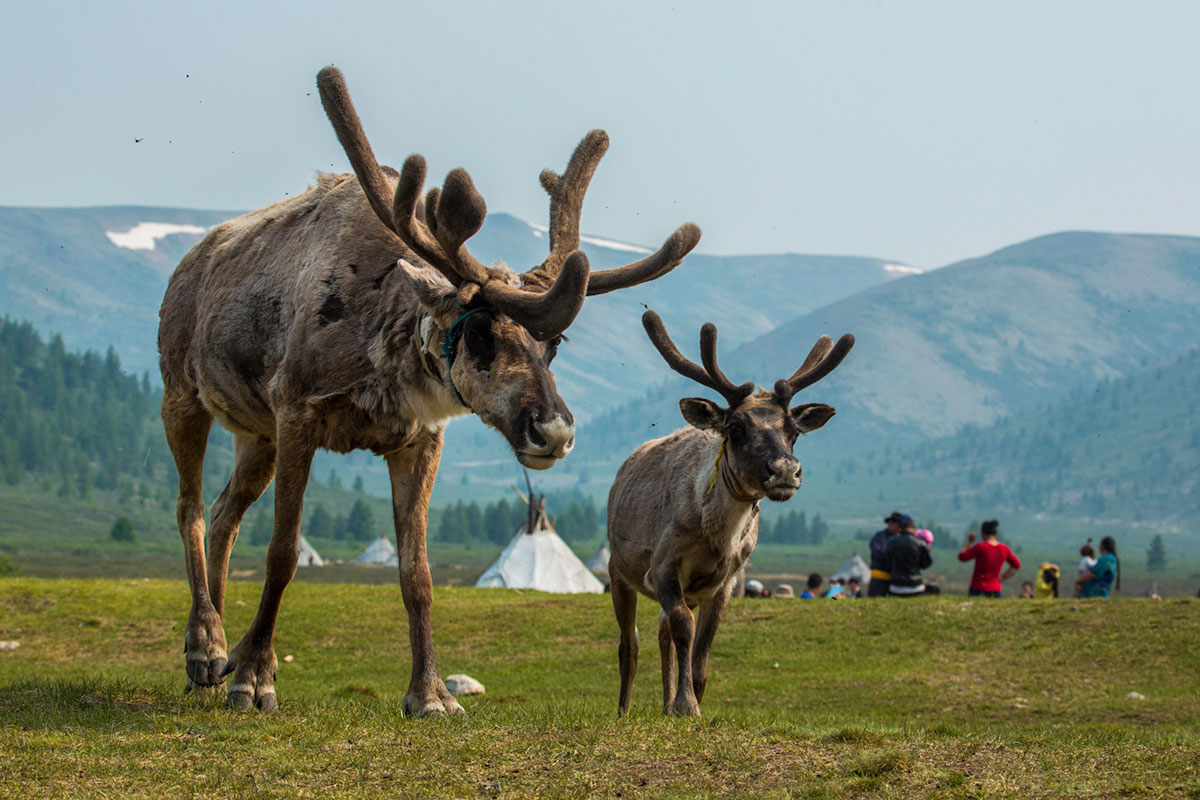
x: 703, y: 414
x: 435, y: 294
x: 811, y: 416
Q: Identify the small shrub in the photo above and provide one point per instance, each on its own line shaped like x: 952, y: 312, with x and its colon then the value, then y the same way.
x: 122, y: 530
x: 7, y: 567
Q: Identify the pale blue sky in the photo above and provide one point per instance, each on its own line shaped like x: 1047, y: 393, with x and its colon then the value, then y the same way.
x: 919, y: 131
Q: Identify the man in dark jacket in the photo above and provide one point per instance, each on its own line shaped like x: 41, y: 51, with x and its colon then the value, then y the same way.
x: 905, y: 557
x: 878, y: 585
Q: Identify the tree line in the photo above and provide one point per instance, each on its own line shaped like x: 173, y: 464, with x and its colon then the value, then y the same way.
x: 78, y: 422
x: 793, y: 527
x: 574, y: 516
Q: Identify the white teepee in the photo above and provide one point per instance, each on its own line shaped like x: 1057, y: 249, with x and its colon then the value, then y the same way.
x: 854, y: 567
x: 599, y: 561
x: 378, y: 552
x: 539, y: 560
x: 542, y: 561
x: 308, y: 556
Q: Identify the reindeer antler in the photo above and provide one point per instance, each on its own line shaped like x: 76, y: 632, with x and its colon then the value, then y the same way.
x: 567, y: 192
x: 822, y: 359
x: 437, y: 227
x: 710, y: 374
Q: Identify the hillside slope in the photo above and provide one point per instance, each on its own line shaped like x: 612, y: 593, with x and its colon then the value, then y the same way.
x: 1127, y: 449
x: 60, y: 271
x: 969, y: 343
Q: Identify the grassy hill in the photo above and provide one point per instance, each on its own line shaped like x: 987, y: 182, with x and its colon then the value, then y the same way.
x: 970, y: 343
x: 860, y: 699
x: 81, y: 444
x: 1127, y: 449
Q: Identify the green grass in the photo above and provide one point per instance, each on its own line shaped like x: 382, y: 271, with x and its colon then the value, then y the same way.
x: 929, y: 698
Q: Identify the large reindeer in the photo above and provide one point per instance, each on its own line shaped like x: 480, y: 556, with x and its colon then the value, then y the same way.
x: 353, y: 317
x: 683, y: 510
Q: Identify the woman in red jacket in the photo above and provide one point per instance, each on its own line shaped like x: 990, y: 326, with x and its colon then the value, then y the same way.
x: 990, y: 555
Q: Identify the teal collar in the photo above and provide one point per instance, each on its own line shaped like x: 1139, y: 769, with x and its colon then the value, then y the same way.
x: 450, y: 345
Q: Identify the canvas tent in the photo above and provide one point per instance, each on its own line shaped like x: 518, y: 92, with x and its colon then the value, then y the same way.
x: 537, y: 558
x: 542, y: 561
x: 309, y: 556
x: 854, y: 567
x: 599, y: 562
x: 378, y: 552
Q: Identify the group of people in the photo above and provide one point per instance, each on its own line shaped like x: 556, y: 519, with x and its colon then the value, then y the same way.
x: 898, y: 557
x: 900, y: 553
x: 1097, y: 575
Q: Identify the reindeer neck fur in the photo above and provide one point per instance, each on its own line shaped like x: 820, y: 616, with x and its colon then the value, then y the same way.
x: 725, y: 511
x: 408, y: 388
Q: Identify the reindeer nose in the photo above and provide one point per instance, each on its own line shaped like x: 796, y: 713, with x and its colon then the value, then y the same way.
x: 785, y: 472
x: 554, y: 437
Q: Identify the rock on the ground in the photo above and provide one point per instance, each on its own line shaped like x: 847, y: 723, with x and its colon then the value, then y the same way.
x: 9, y: 645
x: 1135, y: 696
x: 460, y: 685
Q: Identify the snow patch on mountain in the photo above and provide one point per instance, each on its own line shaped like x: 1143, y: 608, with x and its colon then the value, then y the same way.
x: 902, y: 269
x: 143, y: 235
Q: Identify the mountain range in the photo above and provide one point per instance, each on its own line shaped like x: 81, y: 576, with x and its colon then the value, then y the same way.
x: 97, y: 275
x: 969, y: 343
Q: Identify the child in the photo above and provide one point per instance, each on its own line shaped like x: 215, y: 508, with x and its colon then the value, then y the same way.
x: 1087, y: 558
x: 1047, y: 581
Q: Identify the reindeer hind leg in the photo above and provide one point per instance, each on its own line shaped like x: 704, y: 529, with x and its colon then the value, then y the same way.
x: 666, y: 651
x: 252, y: 661
x: 253, y: 471
x: 187, y: 424
x: 625, y: 602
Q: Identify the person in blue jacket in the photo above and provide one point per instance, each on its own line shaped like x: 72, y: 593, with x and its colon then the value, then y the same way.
x: 1100, y: 579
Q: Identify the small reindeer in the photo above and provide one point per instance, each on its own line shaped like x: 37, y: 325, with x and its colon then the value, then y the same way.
x: 683, y: 510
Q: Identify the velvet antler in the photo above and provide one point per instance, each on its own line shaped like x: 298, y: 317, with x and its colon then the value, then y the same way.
x: 567, y: 192
x: 437, y: 227
x: 823, y: 359
x: 710, y: 374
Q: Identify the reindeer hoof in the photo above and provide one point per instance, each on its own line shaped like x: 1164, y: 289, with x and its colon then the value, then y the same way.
x: 420, y: 709
x: 689, y: 708
x: 204, y: 644
x: 414, y: 707
x: 440, y: 704
x: 253, y: 683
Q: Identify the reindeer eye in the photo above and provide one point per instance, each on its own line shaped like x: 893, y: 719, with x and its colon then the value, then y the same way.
x: 480, y: 346
x: 552, y: 349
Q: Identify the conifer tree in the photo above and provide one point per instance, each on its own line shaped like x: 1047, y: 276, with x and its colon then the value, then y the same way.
x: 360, y: 525
x: 1156, y: 555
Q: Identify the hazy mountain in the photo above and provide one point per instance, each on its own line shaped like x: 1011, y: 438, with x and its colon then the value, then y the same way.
x: 608, y: 359
x: 966, y: 344
x: 61, y: 271
x: 1126, y: 449
x: 97, y: 275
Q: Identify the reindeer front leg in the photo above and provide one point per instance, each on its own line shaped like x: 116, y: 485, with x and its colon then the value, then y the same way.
x: 252, y: 661
x: 682, y: 626
x: 412, y: 472
x: 711, y: 614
